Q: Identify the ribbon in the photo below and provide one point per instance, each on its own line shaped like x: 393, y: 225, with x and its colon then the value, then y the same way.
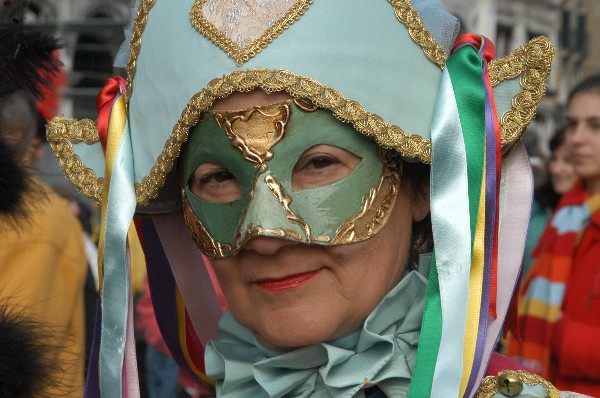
x: 477, y: 110
x: 465, y: 177
x: 118, y: 247
x: 181, y: 279
x: 165, y: 299
x: 516, y: 195
x: 113, y: 88
x: 449, y: 271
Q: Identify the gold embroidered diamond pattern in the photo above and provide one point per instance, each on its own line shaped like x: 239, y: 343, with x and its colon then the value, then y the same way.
x: 242, y: 28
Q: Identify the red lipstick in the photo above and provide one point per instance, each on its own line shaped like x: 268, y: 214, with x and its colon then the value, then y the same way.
x: 287, y: 282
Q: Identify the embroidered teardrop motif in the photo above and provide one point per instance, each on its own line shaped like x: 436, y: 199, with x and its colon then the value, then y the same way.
x: 242, y: 28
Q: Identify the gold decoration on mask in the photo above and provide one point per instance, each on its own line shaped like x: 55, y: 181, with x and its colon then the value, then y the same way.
x: 216, y: 250
x: 410, y: 18
x: 323, y: 238
x: 532, y: 62
x: 376, y: 209
x: 260, y: 231
x: 386, y: 135
x: 61, y: 133
x: 255, y: 131
x: 286, y: 201
x: 212, y: 249
x: 257, y: 26
x: 492, y: 385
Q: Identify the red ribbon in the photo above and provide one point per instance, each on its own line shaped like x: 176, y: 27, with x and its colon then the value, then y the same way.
x: 113, y: 88
x: 478, y: 41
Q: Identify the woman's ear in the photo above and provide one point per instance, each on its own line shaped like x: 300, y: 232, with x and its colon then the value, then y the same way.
x: 420, y: 204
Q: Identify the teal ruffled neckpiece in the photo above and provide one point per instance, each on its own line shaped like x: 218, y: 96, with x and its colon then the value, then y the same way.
x: 381, y: 353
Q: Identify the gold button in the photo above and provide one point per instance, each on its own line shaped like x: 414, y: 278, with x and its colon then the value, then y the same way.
x: 509, y: 386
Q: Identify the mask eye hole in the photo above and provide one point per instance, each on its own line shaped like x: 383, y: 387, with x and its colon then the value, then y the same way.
x: 214, y: 183
x: 322, y: 165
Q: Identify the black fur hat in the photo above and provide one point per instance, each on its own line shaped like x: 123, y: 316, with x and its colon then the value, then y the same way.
x: 13, y: 184
x: 26, y: 54
x: 28, y: 351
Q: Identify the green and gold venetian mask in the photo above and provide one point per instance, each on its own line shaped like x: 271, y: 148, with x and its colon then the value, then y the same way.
x: 251, y: 159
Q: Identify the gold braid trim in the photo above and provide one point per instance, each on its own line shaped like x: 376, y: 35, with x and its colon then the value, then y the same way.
x: 533, y: 62
x: 412, y: 20
x: 386, y: 135
x: 242, y: 54
x: 490, y: 385
x: 61, y: 132
x: 136, y: 43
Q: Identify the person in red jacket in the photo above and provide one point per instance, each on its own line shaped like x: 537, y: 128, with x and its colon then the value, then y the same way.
x: 576, y: 351
x: 560, y: 307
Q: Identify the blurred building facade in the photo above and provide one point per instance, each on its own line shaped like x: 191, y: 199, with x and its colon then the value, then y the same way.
x: 571, y: 25
x: 91, y: 32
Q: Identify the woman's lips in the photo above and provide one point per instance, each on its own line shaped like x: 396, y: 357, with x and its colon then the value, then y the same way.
x: 578, y: 157
x: 286, y: 282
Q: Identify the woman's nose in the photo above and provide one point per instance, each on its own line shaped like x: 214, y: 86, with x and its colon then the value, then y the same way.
x: 267, y: 245
x: 576, y: 134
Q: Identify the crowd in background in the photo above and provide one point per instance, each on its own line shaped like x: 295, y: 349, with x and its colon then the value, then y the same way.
x: 559, y: 302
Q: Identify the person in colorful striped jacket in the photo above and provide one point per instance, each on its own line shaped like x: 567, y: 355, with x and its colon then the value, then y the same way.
x: 560, y: 306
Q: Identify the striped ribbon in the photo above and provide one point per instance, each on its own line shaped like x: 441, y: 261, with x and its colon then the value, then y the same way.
x: 185, y: 296
x: 466, y: 160
x: 118, y: 247
x: 187, y: 351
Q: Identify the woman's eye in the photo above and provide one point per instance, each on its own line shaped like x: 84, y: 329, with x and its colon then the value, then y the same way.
x: 214, y: 183
x: 319, y: 162
x: 218, y: 176
x: 322, y: 165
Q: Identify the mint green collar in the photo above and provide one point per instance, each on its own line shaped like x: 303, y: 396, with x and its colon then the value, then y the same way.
x: 382, y: 353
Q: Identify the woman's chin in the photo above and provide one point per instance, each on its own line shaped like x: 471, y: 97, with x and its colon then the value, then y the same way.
x: 283, y: 343
x: 288, y: 334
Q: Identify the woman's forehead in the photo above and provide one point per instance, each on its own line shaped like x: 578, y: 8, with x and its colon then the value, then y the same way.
x: 256, y: 97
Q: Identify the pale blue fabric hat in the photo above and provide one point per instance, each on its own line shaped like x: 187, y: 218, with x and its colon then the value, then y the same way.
x: 184, y: 55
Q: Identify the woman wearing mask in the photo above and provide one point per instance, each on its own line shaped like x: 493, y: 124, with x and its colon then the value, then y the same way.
x: 315, y: 151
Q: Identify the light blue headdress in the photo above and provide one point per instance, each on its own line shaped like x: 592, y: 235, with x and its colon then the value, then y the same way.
x: 390, y: 68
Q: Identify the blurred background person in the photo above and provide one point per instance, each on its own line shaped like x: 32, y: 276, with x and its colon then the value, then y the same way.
x: 560, y: 168
x: 88, y: 222
x: 561, y: 178
x: 560, y: 297
x: 42, y: 258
